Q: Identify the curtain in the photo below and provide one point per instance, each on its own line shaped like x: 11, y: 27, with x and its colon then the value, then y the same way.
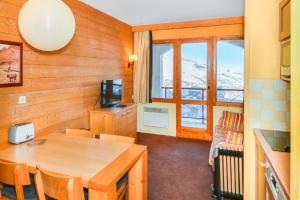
x: 141, y: 72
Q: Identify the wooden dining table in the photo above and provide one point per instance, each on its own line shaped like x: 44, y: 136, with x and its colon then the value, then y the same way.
x: 100, y: 164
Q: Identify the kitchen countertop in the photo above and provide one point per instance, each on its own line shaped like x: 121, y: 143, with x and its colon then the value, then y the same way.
x: 280, y: 161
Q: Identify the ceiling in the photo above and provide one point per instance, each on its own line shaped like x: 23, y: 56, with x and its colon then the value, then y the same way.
x: 141, y: 12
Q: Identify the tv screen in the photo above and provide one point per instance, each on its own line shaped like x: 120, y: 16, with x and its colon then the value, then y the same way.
x: 111, y: 93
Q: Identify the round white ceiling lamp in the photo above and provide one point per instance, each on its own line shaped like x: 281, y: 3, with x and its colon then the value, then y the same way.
x: 47, y: 25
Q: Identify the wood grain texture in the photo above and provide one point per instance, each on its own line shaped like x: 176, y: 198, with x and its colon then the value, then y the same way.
x: 116, y: 138
x: 60, y: 153
x: 260, y: 173
x: 62, y: 86
x: 105, y: 162
x: 16, y: 175
x: 116, y: 169
x: 190, y: 24
x: 80, y: 133
x: 284, y: 19
x: 116, y: 121
x: 207, y: 32
x: 58, y: 186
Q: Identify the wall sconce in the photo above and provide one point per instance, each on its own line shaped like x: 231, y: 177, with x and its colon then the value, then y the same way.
x: 47, y: 25
x: 132, y: 58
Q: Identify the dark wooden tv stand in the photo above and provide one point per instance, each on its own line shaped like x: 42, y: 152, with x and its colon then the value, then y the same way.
x: 115, y: 120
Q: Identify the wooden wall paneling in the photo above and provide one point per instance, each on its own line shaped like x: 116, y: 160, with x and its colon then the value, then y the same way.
x: 203, y: 32
x: 62, y: 86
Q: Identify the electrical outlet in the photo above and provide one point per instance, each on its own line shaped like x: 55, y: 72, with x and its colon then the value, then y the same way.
x: 22, y: 99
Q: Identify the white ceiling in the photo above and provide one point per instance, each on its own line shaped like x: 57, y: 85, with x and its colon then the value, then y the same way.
x: 139, y: 12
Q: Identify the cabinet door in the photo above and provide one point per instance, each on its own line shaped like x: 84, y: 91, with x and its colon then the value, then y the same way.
x: 132, y: 121
x: 101, y: 123
x: 121, y: 123
x: 284, y: 19
x: 260, y: 173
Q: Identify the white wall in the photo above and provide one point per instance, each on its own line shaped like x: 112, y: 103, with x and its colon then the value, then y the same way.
x: 170, y: 131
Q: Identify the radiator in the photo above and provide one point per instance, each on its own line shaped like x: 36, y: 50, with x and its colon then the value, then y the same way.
x: 228, y: 174
x: 156, y: 117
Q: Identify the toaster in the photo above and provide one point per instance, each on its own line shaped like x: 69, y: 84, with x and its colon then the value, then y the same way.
x: 22, y: 132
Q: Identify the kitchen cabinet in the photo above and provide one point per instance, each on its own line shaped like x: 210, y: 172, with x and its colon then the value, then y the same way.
x: 272, y: 170
x: 284, y: 20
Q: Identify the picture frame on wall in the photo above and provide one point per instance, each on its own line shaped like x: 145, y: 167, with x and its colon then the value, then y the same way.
x: 11, y: 64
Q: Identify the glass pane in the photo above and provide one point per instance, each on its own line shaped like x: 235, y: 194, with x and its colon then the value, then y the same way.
x: 230, y: 71
x: 194, y: 116
x: 194, y: 71
x: 162, y: 74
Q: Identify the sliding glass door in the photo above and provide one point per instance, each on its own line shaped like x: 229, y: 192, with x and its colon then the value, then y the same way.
x: 197, y: 75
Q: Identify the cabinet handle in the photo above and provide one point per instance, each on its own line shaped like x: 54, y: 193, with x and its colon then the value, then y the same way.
x: 129, y: 111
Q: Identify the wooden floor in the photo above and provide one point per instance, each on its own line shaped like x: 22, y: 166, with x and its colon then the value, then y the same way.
x: 178, y: 168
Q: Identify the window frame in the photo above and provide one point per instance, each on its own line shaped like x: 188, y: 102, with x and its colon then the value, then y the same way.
x: 212, y: 54
x: 167, y: 100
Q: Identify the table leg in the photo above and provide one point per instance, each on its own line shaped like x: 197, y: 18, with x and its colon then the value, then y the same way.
x: 138, y: 179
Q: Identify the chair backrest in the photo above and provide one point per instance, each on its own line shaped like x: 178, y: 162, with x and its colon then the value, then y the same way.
x: 80, y: 133
x: 16, y: 175
x: 116, y: 138
x: 58, y: 186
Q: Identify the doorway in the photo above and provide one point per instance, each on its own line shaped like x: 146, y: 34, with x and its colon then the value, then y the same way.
x: 193, y: 89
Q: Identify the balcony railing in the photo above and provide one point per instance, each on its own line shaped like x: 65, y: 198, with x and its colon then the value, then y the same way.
x: 203, y: 92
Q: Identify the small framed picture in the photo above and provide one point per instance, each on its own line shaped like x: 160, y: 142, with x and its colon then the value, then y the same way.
x: 11, y: 64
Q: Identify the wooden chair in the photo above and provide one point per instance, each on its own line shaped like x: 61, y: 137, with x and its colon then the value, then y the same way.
x: 16, y: 175
x: 80, y: 133
x: 116, y: 138
x: 58, y: 186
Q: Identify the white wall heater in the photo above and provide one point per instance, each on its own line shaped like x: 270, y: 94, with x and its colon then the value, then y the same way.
x: 156, y: 117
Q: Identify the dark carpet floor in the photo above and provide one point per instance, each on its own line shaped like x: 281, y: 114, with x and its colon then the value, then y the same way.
x: 178, y: 168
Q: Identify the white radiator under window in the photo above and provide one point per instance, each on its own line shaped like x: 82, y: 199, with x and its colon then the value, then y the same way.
x: 156, y: 117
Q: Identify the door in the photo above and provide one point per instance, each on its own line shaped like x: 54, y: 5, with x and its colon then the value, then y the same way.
x: 193, y: 109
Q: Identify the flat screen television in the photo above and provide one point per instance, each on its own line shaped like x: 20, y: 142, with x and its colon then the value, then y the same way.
x: 111, y: 93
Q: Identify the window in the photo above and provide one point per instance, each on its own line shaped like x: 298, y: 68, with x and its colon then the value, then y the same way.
x: 162, y: 72
x: 194, y: 116
x: 230, y: 71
